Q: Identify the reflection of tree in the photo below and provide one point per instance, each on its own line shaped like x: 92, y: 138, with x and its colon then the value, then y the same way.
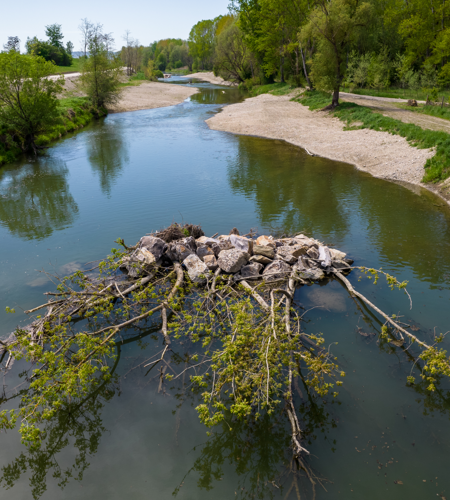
x: 407, y: 229
x: 35, y: 199
x: 258, y: 451
x: 107, y: 153
x: 218, y: 96
x: 290, y: 188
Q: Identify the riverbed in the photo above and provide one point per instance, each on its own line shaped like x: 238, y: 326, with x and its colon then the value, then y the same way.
x: 136, y: 172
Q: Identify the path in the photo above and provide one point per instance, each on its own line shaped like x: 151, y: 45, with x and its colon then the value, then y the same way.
x: 386, y: 106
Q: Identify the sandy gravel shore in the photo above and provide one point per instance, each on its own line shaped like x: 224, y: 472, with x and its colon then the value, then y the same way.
x: 209, y: 77
x: 151, y: 95
x: 379, y: 153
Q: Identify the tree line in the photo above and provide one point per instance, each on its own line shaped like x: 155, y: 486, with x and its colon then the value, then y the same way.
x: 328, y: 44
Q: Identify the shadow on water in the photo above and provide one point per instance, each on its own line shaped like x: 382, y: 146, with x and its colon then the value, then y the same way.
x: 35, y: 199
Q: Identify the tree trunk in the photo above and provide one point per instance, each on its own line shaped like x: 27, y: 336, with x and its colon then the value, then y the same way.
x: 304, y: 68
x: 282, y: 69
x: 335, y: 100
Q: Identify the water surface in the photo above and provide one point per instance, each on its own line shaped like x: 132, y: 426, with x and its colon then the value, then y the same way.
x: 132, y: 173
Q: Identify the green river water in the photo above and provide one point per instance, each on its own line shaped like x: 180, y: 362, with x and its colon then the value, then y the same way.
x: 136, y: 172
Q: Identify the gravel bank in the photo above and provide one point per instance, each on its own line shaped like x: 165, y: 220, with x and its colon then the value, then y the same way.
x: 209, y: 77
x: 151, y: 95
x: 277, y: 117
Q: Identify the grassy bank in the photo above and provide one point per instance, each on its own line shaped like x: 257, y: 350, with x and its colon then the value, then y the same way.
x: 271, y: 88
x: 74, y: 113
x: 395, y: 93
x: 75, y: 68
x: 356, y: 117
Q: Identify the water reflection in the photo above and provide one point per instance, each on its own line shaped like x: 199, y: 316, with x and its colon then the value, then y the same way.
x: 107, y: 151
x: 291, y: 190
x: 35, y: 199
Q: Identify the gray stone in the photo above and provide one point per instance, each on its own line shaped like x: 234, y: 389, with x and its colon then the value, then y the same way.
x: 313, y: 253
x: 302, y: 271
x: 154, y: 245
x: 261, y: 259
x: 290, y: 254
x: 267, y: 251
x: 305, y: 240
x: 337, y: 254
x: 277, y: 270
x: 241, y: 243
x: 211, y: 262
x: 197, y: 270
x: 266, y: 241
x: 203, y: 251
x: 204, y: 240
x: 180, y: 249
x: 139, y: 261
x: 231, y: 261
x: 251, y: 270
x: 324, y: 256
x: 221, y: 245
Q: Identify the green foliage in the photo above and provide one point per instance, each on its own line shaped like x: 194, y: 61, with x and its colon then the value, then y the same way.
x: 53, y: 49
x: 437, y: 168
x: 28, y: 100
x: 201, y: 42
x: 272, y: 88
x: 100, y: 74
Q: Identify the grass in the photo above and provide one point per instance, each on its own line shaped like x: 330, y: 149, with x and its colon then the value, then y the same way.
x: 437, y: 168
x: 396, y: 93
x: 435, y: 110
x: 272, y: 88
x: 74, y: 113
x: 76, y: 66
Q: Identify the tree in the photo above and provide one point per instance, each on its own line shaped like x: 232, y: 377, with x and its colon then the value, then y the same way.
x: 13, y: 43
x: 28, y: 99
x: 85, y: 28
x: 69, y: 48
x: 334, y: 25
x: 54, y: 34
x: 100, y: 75
x: 233, y: 58
x: 201, y: 41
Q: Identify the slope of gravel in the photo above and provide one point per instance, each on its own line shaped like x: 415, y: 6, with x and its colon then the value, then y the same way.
x: 277, y: 117
x: 211, y: 78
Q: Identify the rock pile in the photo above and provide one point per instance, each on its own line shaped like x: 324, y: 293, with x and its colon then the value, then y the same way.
x: 264, y: 258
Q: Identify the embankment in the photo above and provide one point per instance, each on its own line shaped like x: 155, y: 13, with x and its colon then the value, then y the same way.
x: 381, y: 154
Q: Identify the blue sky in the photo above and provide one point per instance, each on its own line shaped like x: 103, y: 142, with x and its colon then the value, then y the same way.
x: 147, y: 20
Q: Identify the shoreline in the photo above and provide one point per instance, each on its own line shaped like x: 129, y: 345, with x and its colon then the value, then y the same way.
x: 380, y: 154
x: 211, y: 78
x: 151, y: 95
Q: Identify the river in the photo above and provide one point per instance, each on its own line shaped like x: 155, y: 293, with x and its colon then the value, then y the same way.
x: 136, y: 172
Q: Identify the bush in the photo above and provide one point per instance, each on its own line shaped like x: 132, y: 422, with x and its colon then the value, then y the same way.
x: 159, y: 74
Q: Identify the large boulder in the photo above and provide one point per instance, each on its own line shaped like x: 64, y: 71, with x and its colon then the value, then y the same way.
x: 180, y: 249
x: 337, y: 254
x: 251, y: 270
x: 154, y: 245
x: 211, y: 262
x: 305, y: 240
x: 140, y: 261
x: 204, y: 240
x: 231, y: 261
x: 267, y: 251
x: 261, y: 259
x: 241, y: 243
x: 203, y: 251
x: 220, y: 245
x: 324, y: 256
x: 290, y: 254
x: 197, y: 270
x: 313, y: 252
x: 265, y: 241
x: 277, y: 270
x: 302, y: 270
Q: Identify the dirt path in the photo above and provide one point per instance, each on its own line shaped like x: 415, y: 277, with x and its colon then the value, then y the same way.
x: 381, y: 154
x: 386, y: 106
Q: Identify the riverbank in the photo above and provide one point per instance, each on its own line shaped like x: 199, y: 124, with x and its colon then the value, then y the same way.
x: 150, y: 95
x: 211, y: 78
x: 381, y: 154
